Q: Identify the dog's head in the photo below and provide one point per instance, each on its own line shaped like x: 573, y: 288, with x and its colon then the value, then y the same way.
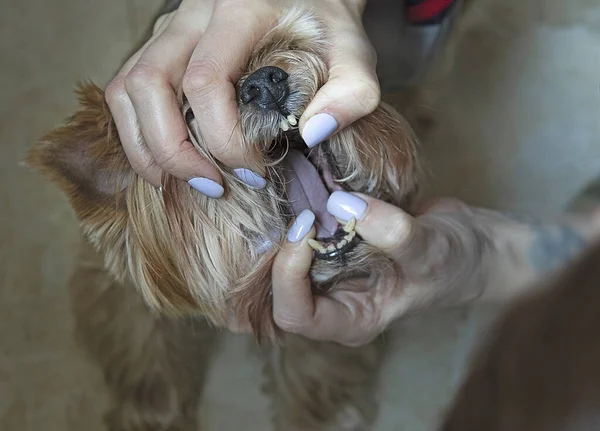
x: 191, y: 254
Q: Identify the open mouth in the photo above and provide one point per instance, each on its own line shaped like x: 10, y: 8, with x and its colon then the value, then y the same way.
x: 309, y: 181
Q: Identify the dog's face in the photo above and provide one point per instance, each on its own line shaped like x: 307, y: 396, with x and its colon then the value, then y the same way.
x: 191, y: 254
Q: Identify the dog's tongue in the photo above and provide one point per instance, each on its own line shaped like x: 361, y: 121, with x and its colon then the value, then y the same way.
x: 306, y: 190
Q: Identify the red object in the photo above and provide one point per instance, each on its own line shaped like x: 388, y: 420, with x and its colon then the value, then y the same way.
x: 427, y: 10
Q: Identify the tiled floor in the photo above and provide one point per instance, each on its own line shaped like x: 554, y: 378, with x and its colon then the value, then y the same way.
x: 518, y: 113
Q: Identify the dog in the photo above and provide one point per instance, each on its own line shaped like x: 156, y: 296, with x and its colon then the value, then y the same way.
x: 160, y: 267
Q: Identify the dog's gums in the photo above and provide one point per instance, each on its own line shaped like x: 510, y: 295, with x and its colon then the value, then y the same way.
x: 188, y: 254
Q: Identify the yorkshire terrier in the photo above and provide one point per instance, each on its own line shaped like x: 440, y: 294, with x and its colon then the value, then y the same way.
x: 161, y: 266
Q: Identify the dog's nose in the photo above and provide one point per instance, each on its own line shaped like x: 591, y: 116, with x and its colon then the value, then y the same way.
x: 267, y: 88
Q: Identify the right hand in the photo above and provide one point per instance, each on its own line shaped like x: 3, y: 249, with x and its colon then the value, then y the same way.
x: 440, y: 257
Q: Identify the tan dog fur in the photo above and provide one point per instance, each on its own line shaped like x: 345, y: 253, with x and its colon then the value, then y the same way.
x: 161, y: 265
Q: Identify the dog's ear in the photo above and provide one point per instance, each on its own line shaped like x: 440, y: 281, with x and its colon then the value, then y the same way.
x: 384, y: 146
x: 85, y: 158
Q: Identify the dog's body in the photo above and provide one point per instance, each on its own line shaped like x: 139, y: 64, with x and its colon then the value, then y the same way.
x: 161, y: 265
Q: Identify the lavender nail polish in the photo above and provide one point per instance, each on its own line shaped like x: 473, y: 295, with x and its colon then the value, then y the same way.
x: 250, y: 178
x: 301, y: 226
x: 344, y: 206
x: 318, y: 128
x: 207, y: 187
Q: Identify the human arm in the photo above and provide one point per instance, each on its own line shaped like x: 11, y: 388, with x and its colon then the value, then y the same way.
x: 449, y: 254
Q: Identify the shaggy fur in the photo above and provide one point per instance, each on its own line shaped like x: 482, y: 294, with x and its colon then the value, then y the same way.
x: 162, y: 264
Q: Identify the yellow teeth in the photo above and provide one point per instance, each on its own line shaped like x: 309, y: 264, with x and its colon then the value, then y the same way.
x: 288, y: 122
x: 343, y: 243
x: 317, y: 246
x: 349, y: 227
x: 330, y: 248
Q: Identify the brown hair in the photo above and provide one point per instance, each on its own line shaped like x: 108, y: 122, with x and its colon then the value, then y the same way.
x: 540, y: 366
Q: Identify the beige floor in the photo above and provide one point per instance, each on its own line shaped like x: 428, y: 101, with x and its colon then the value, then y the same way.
x: 520, y: 111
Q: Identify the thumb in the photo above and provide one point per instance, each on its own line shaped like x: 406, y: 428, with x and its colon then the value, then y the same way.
x: 293, y: 304
x: 351, y: 92
x: 379, y: 223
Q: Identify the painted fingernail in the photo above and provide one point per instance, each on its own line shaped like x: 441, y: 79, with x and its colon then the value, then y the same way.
x: 250, y: 178
x: 207, y: 187
x: 345, y: 206
x: 318, y: 128
x: 301, y: 226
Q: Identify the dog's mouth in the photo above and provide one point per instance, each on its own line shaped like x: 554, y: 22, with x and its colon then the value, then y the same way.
x: 309, y: 181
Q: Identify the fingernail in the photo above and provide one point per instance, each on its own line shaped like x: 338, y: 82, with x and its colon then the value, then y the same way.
x: 250, y: 178
x: 207, y: 187
x: 301, y: 226
x: 344, y: 206
x: 318, y: 128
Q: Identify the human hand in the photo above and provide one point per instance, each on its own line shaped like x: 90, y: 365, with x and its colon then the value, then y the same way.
x: 440, y: 259
x: 202, y: 47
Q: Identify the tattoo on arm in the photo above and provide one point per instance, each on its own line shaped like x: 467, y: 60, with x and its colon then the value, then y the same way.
x: 553, y: 246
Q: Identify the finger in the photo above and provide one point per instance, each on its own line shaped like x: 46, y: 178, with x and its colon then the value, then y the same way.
x: 295, y: 309
x: 150, y: 85
x: 293, y: 305
x: 130, y: 135
x: 125, y: 117
x: 216, y: 64
x: 351, y: 92
x: 379, y: 223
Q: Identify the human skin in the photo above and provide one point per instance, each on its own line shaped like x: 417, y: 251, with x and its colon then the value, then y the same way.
x: 202, y: 48
x: 449, y: 254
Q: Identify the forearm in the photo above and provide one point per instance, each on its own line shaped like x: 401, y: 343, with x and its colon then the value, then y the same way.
x: 524, y: 253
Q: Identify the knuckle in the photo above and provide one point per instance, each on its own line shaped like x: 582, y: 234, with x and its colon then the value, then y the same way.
x: 141, y: 77
x: 199, y: 79
x: 166, y: 158
x: 368, y: 94
x: 289, y: 268
x: 114, y: 91
x: 287, y: 323
x: 140, y: 166
x: 399, y: 231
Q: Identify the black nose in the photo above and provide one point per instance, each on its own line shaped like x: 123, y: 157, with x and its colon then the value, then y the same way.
x: 267, y: 88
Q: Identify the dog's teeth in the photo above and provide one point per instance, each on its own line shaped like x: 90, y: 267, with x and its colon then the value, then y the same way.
x: 317, y: 246
x: 343, y: 243
x: 330, y: 248
x: 292, y: 120
x: 284, y: 125
x: 350, y: 236
x: 349, y: 227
